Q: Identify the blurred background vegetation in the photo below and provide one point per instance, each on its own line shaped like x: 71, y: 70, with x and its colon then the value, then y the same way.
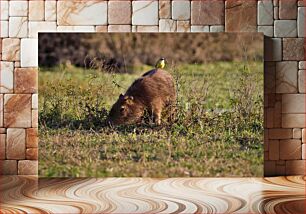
x: 218, y: 129
x: 120, y: 52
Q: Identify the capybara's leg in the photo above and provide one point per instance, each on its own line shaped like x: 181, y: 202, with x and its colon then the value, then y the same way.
x: 157, y: 118
x: 157, y: 110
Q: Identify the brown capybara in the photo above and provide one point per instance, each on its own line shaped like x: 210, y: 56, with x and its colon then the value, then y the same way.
x: 153, y: 92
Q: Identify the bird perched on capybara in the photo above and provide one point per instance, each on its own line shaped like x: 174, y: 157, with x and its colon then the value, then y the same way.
x: 153, y: 92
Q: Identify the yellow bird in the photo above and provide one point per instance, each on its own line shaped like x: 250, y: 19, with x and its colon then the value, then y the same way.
x: 160, y: 63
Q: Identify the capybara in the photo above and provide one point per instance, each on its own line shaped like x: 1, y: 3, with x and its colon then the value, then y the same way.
x: 153, y: 92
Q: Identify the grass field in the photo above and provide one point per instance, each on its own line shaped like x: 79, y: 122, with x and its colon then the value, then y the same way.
x: 218, y: 129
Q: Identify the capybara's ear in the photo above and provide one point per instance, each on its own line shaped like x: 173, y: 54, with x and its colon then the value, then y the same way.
x: 121, y: 96
x: 128, y: 98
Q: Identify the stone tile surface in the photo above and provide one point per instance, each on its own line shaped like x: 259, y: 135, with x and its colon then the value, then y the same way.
x: 269, y: 117
x: 302, y: 65
x: 301, y: 83
x: 134, y: 28
x: 266, y: 30
x: 17, y: 110
x: 6, y: 77
x: 293, y: 120
x: 15, y: 144
x: 34, y: 118
x: 207, y: 12
x: 280, y: 170
x: 35, y: 101
x: 295, y: 167
x: 164, y: 9
x: 180, y: 10
x: 183, y: 26
x: 4, y: 29
x: 196, y: 28
x: 2, y: 130
x: 287, y: 9
x: 280, y: 133
x: 277, y: 115
x: 286, y: 77
x: 266, y: 155
x: 216, y: 28
x: 119, y: 12
x: 32, y: 154
x: 147, y: 28
x: 32, y: 138
x: 293, y: 103
x: 301, y: 22
x: 11, y: 49
x: 290, y: 149
x: 4, y: 10
x: 38, y: 26
x: 272, y: 49
x: 8, y: 167
x: 275, y: 13
x: 285, y: 28
x: 50, y: 10
x: 241, y: 15
x: 27, y: 167
x: 297, y: 133
x: 75, y: 29
x: 26, y: 80
x: 269, y: 81
x: 2, y: 146
x: 281, y: 163
x: 265, y: 12
x: 269, y: 99
x: 36, y: 10
x: 293, y: 49
x: 274, y: 150
x: 266, y: 140
x: 145, y: 13
x: 269, y: 168
x: 167, y: 25
x: 91, y: 12
x: 301, y: 3
x: 1, y: 110
x: 29, y: 53
x: 18, y: 27
x: 119, y: 28
x: 101, y: 28
x: 17, y: 64
x: 18, y: 8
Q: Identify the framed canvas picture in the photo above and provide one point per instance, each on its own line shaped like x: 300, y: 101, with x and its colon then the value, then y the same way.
x: 151, y: 105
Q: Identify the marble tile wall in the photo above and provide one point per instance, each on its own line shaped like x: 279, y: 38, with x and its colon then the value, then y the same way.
x: 282, y: 21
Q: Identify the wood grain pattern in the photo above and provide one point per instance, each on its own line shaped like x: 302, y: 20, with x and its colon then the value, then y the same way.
x: 142, y: 195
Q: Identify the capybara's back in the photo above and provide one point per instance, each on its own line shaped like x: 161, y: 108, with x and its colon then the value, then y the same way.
x: 153, y: 91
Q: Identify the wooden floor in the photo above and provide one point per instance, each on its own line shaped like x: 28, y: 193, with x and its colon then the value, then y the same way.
x: 140, y: 195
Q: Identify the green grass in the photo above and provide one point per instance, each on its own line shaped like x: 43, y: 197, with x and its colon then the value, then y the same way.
x: 218, y: 129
